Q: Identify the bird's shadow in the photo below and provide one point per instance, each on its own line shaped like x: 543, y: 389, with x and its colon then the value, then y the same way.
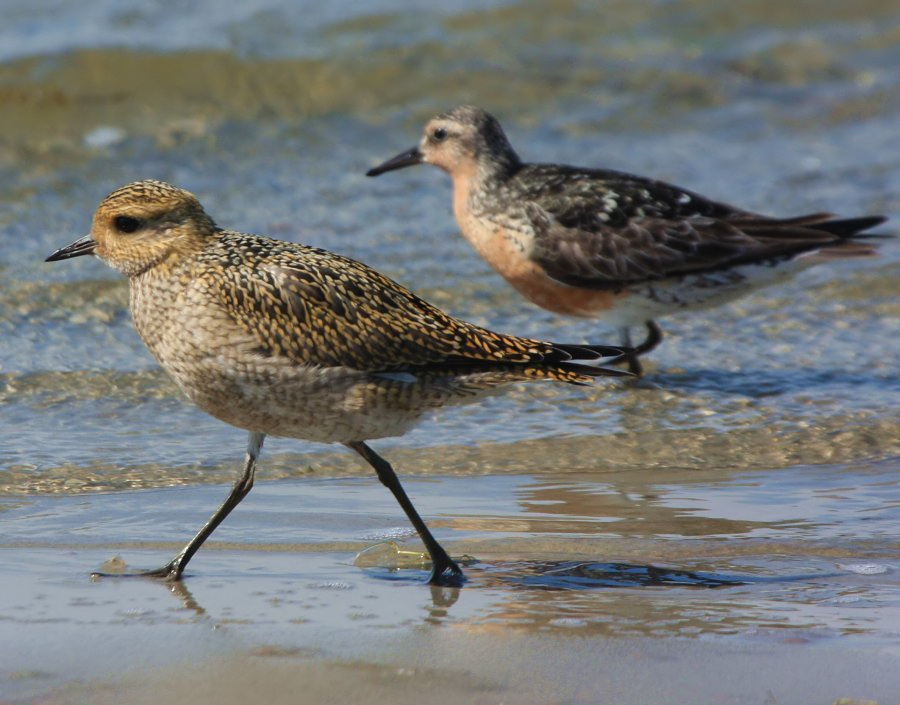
x: 590, y: 575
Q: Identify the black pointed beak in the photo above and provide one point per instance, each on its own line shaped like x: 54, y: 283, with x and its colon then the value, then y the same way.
x: 408, y: 158
x: 84, y: 246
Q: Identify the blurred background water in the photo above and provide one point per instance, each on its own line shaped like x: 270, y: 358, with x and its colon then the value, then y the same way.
x: 271, y: 112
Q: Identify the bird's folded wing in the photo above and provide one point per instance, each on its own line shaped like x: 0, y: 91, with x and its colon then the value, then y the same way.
x: 647, y: 249
x: 318, y: 308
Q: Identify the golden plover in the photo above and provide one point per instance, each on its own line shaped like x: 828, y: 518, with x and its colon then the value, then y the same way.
x: 289, y: 340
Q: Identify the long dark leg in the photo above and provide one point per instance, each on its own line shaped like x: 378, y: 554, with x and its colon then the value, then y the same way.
x: 634, y: 365
x: 654, y: 338
x: 174, y: 568
x: 444, y: 570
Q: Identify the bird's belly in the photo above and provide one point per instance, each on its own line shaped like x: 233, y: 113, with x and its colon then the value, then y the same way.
x: 554, y: 296
x: 506, y: 251
x: 328, y: 405
x: 650, y: 300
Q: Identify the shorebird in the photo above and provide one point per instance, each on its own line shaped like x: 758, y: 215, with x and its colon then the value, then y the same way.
x: 289, y: 340
x: 603, y: 243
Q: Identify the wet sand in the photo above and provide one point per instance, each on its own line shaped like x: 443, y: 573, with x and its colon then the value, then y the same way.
x: 746, y: 602
x: 530, y: 670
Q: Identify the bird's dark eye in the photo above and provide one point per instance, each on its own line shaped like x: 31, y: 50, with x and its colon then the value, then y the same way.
x: 439, y: 134
x: 126, y: 224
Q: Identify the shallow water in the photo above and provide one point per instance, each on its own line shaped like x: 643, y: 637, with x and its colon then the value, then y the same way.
x: 763, y: 444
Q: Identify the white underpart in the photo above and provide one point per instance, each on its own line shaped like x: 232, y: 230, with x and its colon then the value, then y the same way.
x: 656, y: 299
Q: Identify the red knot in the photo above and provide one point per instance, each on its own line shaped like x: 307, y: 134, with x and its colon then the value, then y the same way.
x: 289, y: 340
x: 602, y: 243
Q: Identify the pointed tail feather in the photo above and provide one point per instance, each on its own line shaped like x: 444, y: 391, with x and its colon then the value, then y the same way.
x: 591, y: 360
x: 851, y: 230
x: 817, y: 236
x: 830, y: 223
x: 852, y: 227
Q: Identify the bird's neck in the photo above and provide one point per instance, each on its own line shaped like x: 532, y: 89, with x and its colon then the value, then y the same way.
x: 476, y: 189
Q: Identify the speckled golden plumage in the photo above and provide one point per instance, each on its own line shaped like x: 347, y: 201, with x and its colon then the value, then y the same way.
x: 284, y: 339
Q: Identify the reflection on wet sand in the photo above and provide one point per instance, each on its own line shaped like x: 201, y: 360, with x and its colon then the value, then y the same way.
x: 288, y: 600
x: 626, y: 508
x: 600, y: 599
